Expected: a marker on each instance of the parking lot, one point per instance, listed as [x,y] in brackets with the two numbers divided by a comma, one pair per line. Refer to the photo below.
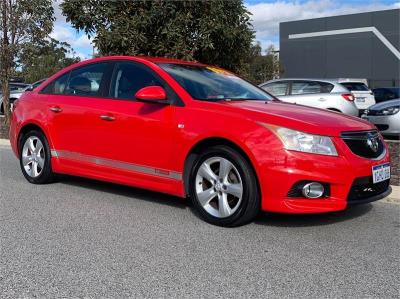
[81,238]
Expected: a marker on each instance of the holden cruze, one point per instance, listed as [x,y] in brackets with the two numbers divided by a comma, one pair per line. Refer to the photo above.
[197,131]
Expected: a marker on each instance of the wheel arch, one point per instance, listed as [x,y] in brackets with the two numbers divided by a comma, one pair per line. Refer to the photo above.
[206,143]
[28,127]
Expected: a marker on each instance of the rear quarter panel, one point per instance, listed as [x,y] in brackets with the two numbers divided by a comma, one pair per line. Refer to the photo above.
[31,109]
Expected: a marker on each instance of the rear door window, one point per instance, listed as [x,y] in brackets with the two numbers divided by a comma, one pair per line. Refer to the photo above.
[57,86]
[310,87]
[276,88]
[86,80]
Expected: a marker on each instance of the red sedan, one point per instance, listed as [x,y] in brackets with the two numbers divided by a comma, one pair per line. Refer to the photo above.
[197,131]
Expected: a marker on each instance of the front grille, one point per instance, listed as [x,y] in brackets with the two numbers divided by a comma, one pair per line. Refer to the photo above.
[364,188]
[382,127]
[372,112]
[366,144]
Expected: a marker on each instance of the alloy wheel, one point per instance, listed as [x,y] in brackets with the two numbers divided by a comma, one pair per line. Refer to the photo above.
[219,187]
[33,156]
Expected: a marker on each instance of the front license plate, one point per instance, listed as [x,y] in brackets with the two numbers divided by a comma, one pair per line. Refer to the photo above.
[380,173]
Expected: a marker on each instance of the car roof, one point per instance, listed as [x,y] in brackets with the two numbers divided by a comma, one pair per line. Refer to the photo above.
[140,58]
[17,84]
[168,60]
[333,81]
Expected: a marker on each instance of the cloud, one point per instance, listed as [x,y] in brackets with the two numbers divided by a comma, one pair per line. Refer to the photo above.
[267,16]
[64,32]
[67,34]
[60,19]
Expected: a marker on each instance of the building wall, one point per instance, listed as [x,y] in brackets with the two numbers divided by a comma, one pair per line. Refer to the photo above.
[348,55]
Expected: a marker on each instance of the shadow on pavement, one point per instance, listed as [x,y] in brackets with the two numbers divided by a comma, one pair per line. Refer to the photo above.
[132,192]
[269,219]
[293,220]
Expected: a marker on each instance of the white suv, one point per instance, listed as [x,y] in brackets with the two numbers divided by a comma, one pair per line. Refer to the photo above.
[319,93]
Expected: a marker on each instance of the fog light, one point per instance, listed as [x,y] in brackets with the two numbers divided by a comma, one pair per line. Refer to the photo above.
[313,190]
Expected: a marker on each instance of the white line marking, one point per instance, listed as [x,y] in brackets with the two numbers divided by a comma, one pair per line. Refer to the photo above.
[375,31]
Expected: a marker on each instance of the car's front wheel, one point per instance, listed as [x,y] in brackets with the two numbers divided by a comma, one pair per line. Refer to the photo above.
[35,159]
[223,187]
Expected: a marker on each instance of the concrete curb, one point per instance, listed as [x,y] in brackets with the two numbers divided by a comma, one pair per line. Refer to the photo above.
[5,142]
[395,196]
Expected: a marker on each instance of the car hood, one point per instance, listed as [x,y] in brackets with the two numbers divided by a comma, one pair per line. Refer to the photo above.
[302,118]
[386,104]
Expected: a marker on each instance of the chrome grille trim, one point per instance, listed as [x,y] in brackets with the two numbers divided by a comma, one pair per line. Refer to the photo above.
[356,141]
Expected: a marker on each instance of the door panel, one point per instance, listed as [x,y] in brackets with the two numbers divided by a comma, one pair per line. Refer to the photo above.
[133,133]
[71,99]
[134,136]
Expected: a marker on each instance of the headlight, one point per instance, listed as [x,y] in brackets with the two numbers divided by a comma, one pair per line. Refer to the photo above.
[389,111]
[303,142]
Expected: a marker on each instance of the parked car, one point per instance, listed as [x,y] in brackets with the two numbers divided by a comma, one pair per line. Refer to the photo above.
[363,96]
[385,116]
[189,129]
[14,87]
[386,93]
[319,93]
[16,92]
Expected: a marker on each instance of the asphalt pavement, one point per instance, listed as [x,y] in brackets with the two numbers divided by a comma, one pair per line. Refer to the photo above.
[79,238]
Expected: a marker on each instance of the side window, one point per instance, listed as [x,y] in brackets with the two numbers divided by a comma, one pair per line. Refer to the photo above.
[86,80]
[277,88]
[129,78]
[57,86]
[307,87]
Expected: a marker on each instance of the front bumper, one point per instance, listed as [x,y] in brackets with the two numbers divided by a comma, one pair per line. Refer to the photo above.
[341,173]
[387,125]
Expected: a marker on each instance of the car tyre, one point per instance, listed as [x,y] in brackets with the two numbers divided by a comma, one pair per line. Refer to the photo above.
[35,158]
[223,187]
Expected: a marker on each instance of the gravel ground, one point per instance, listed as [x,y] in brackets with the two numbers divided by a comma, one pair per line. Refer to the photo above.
[3,130]
[394,148]
[84,239]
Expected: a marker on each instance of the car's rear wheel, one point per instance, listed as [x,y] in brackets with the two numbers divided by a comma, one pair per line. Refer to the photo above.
[223,187]
[35,159]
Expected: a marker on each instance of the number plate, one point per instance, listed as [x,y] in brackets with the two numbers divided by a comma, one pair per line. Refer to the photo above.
[361,100]
[380,173]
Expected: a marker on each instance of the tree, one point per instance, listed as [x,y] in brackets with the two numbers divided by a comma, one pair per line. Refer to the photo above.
[21,22]
[43,59]
[215,32]
[264,67]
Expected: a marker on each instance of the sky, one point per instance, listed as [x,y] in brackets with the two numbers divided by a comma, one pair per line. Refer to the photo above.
[266,16]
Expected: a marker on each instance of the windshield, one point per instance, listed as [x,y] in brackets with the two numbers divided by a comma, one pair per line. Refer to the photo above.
[213,84]
[355,86]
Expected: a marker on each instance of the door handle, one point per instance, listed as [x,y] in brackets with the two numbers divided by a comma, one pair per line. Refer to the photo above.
[107,117]
[55,109]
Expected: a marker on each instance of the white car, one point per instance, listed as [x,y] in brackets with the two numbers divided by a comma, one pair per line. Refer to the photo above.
[319,93]
[363,96]
[16,93]
[385,116]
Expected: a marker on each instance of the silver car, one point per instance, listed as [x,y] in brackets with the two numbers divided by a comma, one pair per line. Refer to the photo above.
[15,93]
[319,93]
[385,116]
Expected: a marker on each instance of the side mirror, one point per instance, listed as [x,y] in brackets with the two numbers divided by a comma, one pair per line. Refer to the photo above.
[154,94]
[29,88]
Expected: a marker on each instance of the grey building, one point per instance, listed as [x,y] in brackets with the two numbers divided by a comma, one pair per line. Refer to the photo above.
[364,45]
